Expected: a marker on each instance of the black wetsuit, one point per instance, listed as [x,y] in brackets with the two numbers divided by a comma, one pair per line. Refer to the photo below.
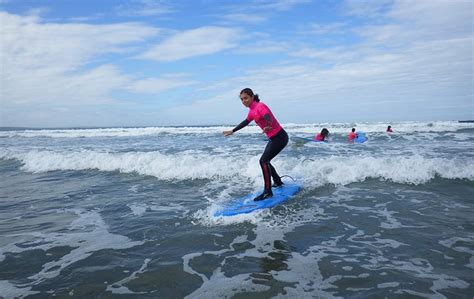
[274,146]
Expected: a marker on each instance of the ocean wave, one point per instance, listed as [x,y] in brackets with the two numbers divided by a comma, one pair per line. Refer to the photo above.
[380,127]
[111,132]
[334,128]
[191,165]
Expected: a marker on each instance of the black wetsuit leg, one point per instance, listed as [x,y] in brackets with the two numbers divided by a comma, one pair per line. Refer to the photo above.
[276,178]
[274,146]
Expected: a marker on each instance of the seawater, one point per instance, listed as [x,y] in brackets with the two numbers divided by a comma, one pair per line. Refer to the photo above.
[128,212]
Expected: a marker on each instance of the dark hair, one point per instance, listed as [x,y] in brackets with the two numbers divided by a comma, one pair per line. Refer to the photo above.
[250,93]
[324,133]
[389,127]
[353,129]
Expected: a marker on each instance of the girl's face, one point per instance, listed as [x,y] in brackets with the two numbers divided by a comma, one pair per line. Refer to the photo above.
[246,99]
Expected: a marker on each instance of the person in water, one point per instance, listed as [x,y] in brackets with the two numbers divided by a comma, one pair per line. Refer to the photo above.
[278,138]
[389,129]
[352,135]
[323,135]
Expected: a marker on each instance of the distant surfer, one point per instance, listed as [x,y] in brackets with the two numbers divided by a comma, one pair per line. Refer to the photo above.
[322,136]
[389,129]
[352,135]
[278,138]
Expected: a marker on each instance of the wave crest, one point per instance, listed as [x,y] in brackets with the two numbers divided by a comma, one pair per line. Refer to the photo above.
[192,165]
[338,128]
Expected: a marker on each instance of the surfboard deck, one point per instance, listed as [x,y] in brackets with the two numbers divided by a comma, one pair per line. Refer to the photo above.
[246,204]
[361,138]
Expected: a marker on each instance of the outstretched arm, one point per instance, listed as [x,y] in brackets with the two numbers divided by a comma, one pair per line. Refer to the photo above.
[238,127]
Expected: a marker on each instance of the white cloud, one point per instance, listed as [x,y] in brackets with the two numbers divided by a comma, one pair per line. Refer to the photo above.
[405,85]
[409,66]
[275,5]
[367,9]
[158,85]
[335,54]
[332,28]
[413,21]
[143,8]
[397,25]
[243,18]
[435,12]
[44,87]
[406,60]
[29,44]
[256,11]
[263,47]
[50,67]
[45,62]
[195,42]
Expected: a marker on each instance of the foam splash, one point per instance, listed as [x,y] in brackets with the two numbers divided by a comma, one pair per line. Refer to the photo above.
[340,128]
[304,273]
[119,288]
[227,286]
[306,280]
[138,208]
[414,169]
[165,167]
[405,170]
[112,132]
[9,290]
[205,217]
[88,234]
[451,243]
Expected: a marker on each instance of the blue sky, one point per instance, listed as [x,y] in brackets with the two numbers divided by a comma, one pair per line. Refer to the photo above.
[152,63]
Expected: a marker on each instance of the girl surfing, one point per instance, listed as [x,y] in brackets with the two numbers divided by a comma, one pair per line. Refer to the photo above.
[278,138]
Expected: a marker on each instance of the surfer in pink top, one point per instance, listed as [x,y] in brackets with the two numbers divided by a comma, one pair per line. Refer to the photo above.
[323,135]
[352,135]
[278,138]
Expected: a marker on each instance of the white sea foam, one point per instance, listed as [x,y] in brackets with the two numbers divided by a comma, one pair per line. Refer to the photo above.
[303,271]
[10,290]
[388,285]
[206,216]
[167,167]
[138,209]
[406,170]
[112,132]
[380,127]
[451,243]
[88,234]
[307,281]
[219,285]
[420,268]
[119,286]
[398,127]
[189,165]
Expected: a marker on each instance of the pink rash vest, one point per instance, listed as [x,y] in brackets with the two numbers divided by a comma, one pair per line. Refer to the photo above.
[257,112]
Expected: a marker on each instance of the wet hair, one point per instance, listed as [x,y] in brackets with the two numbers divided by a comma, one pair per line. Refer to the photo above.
[353,129]
[324,133]
[250,93]
[389,127]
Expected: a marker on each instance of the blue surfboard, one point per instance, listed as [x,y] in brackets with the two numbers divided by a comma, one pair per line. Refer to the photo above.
[361,138]
[246,204]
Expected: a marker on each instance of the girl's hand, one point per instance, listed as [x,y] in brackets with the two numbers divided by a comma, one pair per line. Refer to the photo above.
[227,133]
